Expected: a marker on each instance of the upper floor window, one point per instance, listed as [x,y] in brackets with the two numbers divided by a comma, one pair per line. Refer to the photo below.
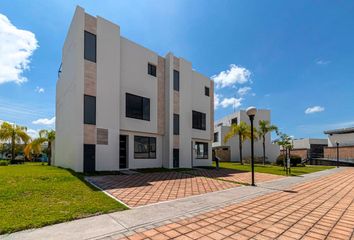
[144,147]
[206,91]
[175,80]
[90,46]
[202,150]
[151,69]
[234,121]
[137,107]
[199,120]
[89,109]
[216,136]
[175,124]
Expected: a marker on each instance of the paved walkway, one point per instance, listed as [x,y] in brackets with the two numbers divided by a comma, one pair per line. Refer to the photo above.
[320,201]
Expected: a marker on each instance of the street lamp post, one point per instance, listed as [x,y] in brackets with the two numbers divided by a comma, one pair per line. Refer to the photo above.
[251,112]
[337,143]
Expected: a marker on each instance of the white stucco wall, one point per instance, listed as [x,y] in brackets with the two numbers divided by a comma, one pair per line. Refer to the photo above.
[69,98]
[346,139]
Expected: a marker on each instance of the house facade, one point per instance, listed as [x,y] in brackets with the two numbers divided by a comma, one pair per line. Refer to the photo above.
[309,148]
[229,151]
[122,106]
[345,139]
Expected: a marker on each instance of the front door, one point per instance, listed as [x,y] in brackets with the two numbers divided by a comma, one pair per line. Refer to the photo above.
[123,151]
[89,158]
[176,158]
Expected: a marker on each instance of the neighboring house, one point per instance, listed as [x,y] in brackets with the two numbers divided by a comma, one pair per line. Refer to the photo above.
[345,139]
[309,148]
[229,151]
[122,106]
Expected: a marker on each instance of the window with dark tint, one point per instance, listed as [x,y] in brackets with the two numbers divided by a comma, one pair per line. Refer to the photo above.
[216,136]
[151,70]
[199,120]
[175,80]
[202,150]
[137,107]
[234,120]
[206,91]
[90,47]
[89,109]
[144,147]
[175,124]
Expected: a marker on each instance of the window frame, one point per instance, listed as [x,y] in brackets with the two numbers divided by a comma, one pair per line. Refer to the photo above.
[86,43]
[216,139]
[176,80]
[234,120]
[205,150]
[200,121]
[150,149]
[144,112]
[176,126]
[152,69]
[207,91]
[87,114]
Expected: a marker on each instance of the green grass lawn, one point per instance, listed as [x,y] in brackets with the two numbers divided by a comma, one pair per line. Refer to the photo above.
[278,170]
[35,195]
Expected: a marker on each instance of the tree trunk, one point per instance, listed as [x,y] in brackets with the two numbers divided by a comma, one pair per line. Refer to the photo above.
[285,158]
[264,155]
[13,146]
[49,153]
[240,146]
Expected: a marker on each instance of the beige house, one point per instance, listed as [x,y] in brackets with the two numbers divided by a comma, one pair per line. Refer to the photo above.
[122,106]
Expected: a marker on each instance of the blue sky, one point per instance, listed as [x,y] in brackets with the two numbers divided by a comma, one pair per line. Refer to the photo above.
[287,56]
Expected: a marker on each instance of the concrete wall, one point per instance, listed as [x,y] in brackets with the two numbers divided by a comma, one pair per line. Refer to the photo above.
[69,98]
[306,142]
[346,139]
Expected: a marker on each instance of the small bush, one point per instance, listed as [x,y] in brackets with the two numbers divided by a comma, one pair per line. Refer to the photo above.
[294,160]
[4,162]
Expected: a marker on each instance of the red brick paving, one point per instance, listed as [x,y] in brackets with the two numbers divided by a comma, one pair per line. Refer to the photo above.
[235,175]
[321,209]
[142,189]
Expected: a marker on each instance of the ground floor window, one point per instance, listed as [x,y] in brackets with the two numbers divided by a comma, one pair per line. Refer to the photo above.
[202,150]
[144,147]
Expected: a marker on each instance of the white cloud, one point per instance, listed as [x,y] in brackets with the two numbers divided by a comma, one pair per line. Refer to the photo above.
[314,109]
[234,75]
[16,48]
[244,90]
[322,62]
[39,90]
[217,100]
[235,102]
[44,121]
[32,133]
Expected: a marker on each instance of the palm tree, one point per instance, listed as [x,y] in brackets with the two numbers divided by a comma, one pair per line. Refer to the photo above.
[263,129]
[45,136]
[284,142]
[15,134]
[243,131]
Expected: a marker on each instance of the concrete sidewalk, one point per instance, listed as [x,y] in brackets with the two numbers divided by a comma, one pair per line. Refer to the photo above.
[113,225]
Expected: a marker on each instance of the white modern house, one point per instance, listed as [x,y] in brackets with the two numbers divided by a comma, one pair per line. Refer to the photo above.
[344,137]
[309,148]
[122,106]
[229,151]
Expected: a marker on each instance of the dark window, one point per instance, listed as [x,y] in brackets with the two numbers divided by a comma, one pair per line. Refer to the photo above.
[89,158]
[144,147]
[199,120]
[89,109]
[176,158]
[175,80]
[216,136]
[137,107]
[202,150]
[151,70]
[175,124]
[206,91]
[90,47]
[234,120]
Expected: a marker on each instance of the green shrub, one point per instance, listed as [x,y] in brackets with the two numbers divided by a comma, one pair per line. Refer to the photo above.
[4,162]
[294,160]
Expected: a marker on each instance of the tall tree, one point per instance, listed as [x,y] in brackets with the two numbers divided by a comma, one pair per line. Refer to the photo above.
[265,127]
[45,136]
[15,134]
[285,142]
[243,131]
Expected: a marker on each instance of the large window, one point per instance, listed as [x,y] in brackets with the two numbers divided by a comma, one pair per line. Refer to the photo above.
[175,124]
[206,91]
[89,110]
[199,120]
[202,150]
[175,80]
[151,70]
[234,120]
[90,47]
[144,147]
[137,107]
[216,136]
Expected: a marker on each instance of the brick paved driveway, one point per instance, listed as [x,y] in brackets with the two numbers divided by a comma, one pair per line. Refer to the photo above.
[235,175]
[142,189]
[321,209]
